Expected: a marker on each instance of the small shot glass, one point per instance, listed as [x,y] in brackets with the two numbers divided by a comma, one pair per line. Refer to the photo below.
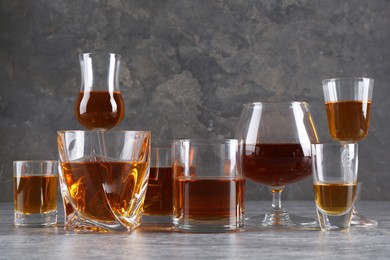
[35,193]
[208,190]
[335,168]
[158,205]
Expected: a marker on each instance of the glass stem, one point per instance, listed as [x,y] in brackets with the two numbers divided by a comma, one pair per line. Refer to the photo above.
[277,198]
[347,163]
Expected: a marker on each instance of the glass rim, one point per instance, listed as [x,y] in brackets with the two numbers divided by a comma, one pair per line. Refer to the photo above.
[101,131]
[88,54]
[213,177]
[346,79]
[206,141]
[335,144]
[35,164]
[35,161]
[254,104]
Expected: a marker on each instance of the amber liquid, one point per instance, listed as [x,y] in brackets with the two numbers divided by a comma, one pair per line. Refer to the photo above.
[348,121]
[275,164]
[158,200]
[208,199]
[99,109]
[99,189]
[35,194]
[334,198]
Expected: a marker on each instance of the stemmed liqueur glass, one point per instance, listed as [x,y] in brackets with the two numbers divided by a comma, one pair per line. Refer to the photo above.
[99,105]
[275,150]
[348,107]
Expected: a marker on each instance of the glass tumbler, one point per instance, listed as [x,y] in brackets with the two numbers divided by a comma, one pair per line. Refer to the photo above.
[35,193]
[158,205]
[208,186]
[103,179]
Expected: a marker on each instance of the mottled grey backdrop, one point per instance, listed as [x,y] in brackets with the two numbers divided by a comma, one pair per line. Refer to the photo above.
[187,68]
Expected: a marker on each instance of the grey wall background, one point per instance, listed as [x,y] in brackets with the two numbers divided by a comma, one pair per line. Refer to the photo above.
[187,68]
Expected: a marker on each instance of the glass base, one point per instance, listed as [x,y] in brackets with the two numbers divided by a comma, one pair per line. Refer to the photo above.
[46,219]
[77,222]
[207,228]
[362,221]
[340,222]
[281,218]
[208,225]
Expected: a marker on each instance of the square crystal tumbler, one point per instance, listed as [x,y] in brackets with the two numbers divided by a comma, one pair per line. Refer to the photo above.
[103,176]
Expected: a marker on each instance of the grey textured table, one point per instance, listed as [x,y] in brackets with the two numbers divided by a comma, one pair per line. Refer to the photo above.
[252,243]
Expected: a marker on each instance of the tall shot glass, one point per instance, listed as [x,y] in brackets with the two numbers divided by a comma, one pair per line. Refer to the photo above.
[334,182]
[103,179]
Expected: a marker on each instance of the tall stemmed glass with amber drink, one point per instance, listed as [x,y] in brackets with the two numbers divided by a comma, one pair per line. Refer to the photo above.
[348,107]
[275,150]
[99,105]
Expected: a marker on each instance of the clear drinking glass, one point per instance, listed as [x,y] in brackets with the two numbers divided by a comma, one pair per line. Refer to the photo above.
[348,107]
[103,184]
[276,142]
[158,206]
[334,182]
[99,104]
[208,186]
[35,193]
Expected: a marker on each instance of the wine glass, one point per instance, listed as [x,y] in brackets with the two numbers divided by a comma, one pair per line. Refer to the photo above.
[99,105]
[348,107]
[275,150]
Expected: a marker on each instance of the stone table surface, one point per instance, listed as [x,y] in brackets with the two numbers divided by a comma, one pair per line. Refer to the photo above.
[156,243]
